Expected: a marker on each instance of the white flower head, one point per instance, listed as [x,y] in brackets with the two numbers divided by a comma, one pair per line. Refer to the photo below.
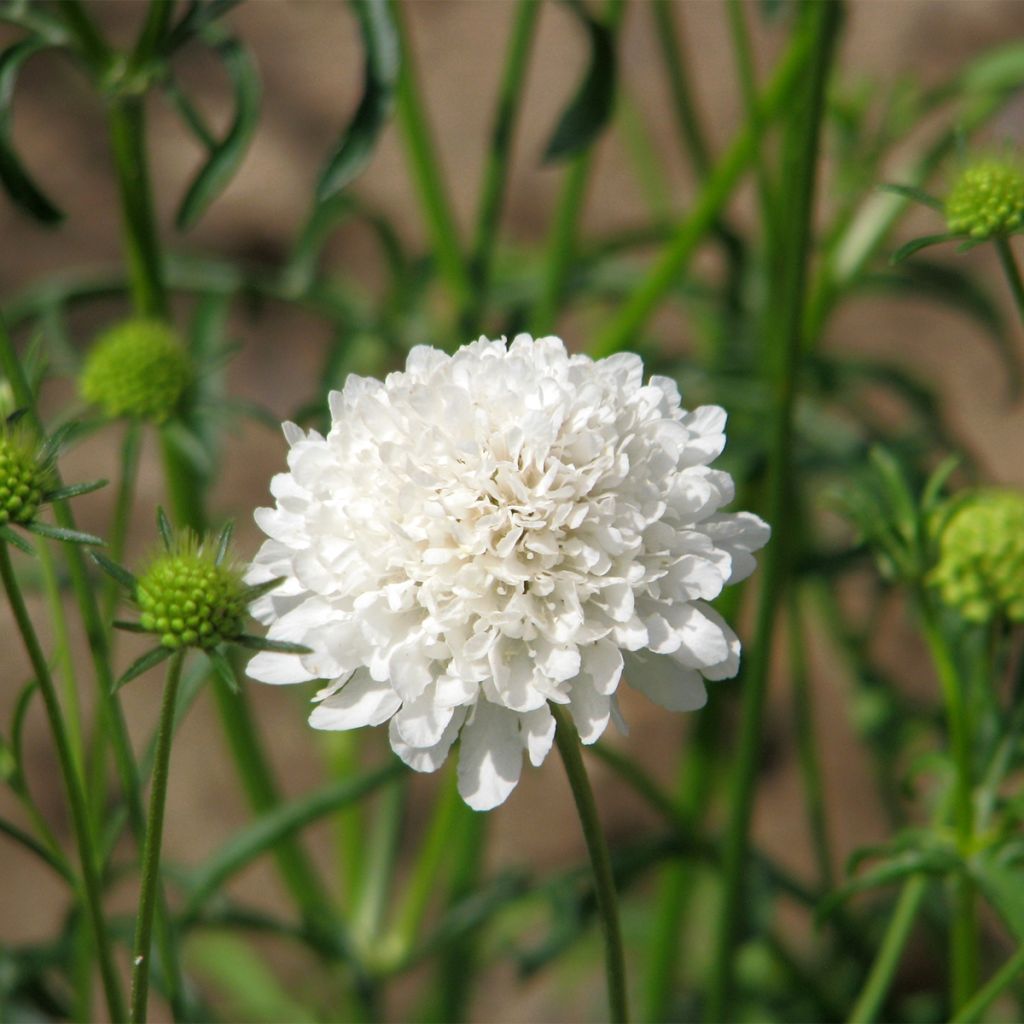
[488,532]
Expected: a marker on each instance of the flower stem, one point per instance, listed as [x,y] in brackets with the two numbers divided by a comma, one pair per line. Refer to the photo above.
[985,996]
[964,930]
[604,884]
[151,849]
[84,838]
[783,325]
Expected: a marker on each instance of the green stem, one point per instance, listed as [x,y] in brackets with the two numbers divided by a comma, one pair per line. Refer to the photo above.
[426,173]
[153,842]
[561,246]
[91,44]
[381,855]
[1009,264]
[84,838]
[876,987]
[783,328]
[131,447]
[984,998]
[719,186]
[126,119]
[964,931]
[499,161]
[604,883]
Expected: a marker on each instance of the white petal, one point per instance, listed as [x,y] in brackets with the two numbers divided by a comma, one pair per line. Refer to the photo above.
[490,757]
[427,759]
[590,710]
[661,678]
[538,730]
[730,664]
[272,667]
[702,640]
[422,722]
[602,662]
[361,701]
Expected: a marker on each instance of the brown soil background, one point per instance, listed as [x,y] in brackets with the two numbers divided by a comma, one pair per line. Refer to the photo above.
[310,63]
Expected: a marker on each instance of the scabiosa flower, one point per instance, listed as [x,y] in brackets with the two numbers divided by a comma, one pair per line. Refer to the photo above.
[488,532]
[980,567]
[138,369]
[987,199]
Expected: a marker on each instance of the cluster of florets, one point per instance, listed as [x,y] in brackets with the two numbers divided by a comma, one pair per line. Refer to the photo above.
[138,369]
[191,601]
[980,569]
[987,199]
[24,478]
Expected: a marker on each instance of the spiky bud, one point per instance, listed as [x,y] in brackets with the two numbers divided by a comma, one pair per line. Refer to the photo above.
[189,600]
[24,477]
[987,199]
[137,369]
[980,568]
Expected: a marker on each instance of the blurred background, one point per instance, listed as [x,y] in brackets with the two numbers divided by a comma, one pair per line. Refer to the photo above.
[310,62]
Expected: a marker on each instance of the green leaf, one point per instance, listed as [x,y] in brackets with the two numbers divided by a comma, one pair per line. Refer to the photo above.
[285,820]
[163,524]
[64,534]
[115,571]
[226,156]
[189,446]
[223,668]
[224,541]
[148,660]
[75,490]
[130,627]
[917,244]
[1001,884]
[261,643]
[46,856]
[9,536]
[15,178]
[51,447]
[913,192]
[18,720]
[199,15]
[591,107]
[259,589]
[932,493]
[380,79]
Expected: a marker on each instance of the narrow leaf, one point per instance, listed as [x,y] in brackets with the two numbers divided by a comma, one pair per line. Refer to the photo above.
[33,846]
[189,446]
[130,627]
[1001,885]
[75,490]
[163,524]
[21,707]
[380,78]
[15,178]
[12,538]
[115,571]
[223,668]
[52,445]
[143,664]
[261,643]
[64,534]
[224,541]
[226,156]
[259,589]
[917,244]
[285,820]
[913,192]
[591,107]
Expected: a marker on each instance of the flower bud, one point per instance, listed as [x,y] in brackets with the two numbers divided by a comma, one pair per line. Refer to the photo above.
[987,199]
[980,569]
[24,478]
[137,369]
[190,600]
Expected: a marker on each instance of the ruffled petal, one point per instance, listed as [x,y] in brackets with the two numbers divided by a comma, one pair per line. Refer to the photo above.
[361,701]
[490,756]
[662,679]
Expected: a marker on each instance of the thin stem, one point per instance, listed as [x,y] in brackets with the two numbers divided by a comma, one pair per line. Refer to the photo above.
[84,839]
[382,853]
[719,186]
[561,246]
[91,44]
[154,840]
[604,883]
[1012,271]
[876,987]
[426,172]
[964,931]
[783,328]
[131,448]
[991,991]
[126,119]
[498,164]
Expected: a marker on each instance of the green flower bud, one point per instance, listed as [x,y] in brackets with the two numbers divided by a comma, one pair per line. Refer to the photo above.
[980,569]
[138,369]
[189,600]
[987,199]
[24,477]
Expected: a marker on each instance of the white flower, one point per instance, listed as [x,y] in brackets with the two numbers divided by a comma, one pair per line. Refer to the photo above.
[490,531]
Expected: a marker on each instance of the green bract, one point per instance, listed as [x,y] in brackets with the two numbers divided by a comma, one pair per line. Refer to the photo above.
[980,569]
[137,369]
[987,199]
[190,600]
[24,477]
